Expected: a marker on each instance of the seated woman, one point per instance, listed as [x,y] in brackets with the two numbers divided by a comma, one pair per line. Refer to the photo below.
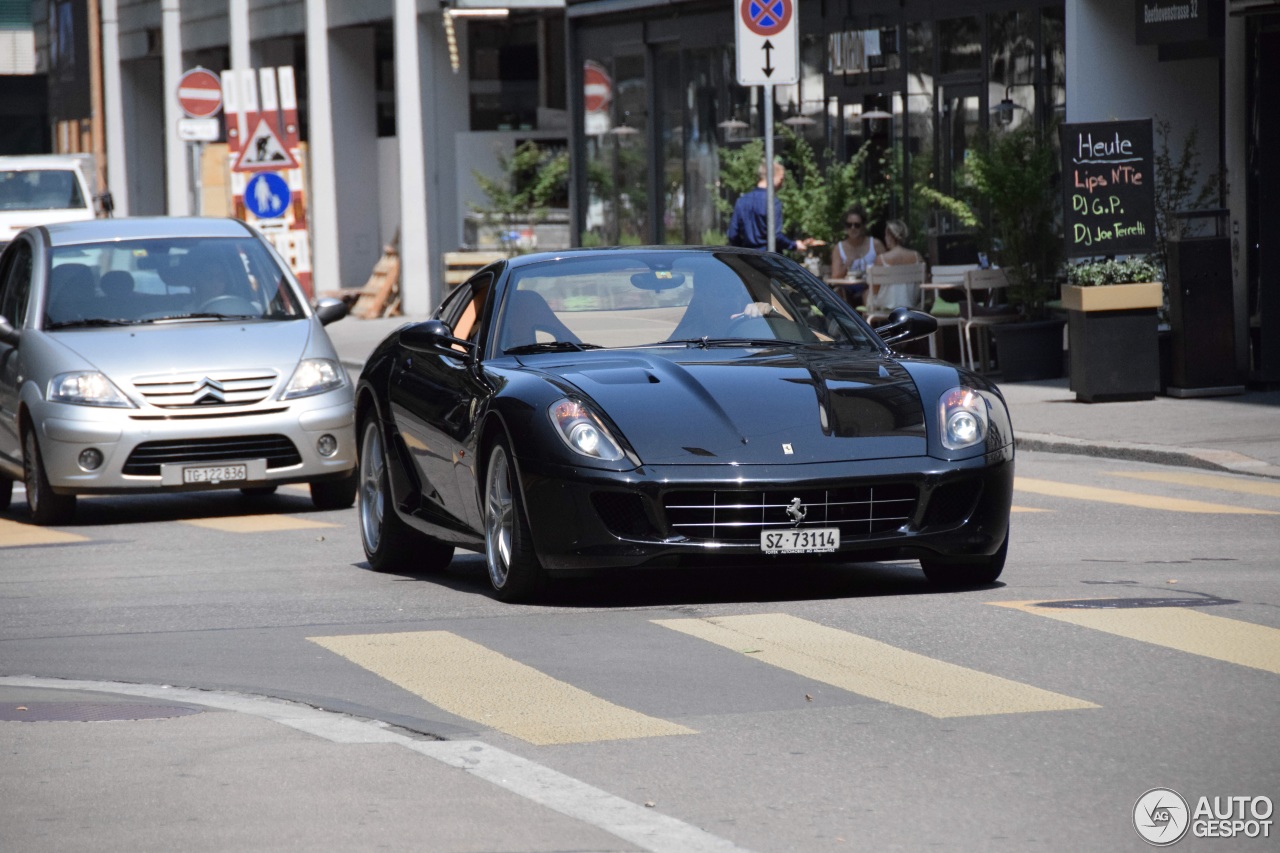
[896,251]
[853,254]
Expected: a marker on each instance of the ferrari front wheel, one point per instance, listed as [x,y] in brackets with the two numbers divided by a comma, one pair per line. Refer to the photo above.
[388,542]
[514,570]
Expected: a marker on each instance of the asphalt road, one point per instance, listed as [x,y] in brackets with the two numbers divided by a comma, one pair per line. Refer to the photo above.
[846,707]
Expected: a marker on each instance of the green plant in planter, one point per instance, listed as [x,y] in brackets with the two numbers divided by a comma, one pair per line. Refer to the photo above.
[1013,174]
[1178,186]
[532,179]
[1132,269]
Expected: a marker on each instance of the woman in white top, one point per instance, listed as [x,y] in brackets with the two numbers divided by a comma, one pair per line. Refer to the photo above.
[856,252]
[896,236]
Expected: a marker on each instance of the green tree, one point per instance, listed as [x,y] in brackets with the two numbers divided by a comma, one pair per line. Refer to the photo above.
[1013,175]
[814,196]
[528,183]
[1178,187]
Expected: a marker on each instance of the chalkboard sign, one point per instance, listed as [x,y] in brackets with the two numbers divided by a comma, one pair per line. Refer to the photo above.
[1108,188]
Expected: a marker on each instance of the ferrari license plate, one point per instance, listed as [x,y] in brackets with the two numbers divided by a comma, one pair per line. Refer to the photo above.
[215,474]
[810,540]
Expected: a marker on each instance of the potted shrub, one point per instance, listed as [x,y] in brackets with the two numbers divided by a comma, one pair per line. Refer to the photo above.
[1113,316]
[1014,176]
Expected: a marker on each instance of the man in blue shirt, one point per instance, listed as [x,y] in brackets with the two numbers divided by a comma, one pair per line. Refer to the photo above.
[749,226]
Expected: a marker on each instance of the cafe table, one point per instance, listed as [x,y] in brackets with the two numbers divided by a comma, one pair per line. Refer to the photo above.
[850,288]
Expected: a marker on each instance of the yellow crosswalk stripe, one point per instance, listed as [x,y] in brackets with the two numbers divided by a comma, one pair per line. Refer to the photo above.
[14,534]
[1243,485]
[871,668]
[258,523]
[1115,496]
[476,683]
[1181,628]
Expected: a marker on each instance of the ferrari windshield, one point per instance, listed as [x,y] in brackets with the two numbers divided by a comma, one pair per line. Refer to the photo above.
[669,298]
[126,282]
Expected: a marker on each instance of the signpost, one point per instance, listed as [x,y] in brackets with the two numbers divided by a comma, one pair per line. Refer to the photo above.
[200,96]
[200,93]
[768,43]
[265,156]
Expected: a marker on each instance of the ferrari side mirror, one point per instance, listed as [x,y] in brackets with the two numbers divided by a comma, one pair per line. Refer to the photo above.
[905,324]
[435,336]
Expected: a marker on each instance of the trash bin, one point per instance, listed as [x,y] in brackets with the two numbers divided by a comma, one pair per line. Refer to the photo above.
[1201,308]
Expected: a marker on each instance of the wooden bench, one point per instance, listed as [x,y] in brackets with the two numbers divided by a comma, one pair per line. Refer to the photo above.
[460,266]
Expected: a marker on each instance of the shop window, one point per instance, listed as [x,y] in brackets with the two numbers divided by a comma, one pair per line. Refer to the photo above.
[503,71]
[384,74]
[1012,67]
[960,45]
[1053,29]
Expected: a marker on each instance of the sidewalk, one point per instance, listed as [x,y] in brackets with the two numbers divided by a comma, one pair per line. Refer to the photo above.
[1240,434]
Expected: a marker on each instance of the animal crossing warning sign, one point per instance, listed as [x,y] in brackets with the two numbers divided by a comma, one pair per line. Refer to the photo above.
[264,150]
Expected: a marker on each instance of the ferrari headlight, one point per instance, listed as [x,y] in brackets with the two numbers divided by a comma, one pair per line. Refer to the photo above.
[87,388]
[583,431]
[965,417]
[314,376]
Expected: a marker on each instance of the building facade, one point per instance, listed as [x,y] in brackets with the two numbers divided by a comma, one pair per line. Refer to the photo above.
[401,100]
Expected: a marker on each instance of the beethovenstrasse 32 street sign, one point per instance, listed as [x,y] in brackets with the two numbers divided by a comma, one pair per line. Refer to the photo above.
[768,42]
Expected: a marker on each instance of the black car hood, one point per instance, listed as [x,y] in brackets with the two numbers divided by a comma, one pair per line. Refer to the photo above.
[760,406]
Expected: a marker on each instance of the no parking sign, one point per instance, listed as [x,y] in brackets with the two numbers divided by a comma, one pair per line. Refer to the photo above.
[768,42]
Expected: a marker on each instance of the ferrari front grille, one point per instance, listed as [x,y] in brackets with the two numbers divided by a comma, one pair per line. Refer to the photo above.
[739,516]
[201,390]
[146,458]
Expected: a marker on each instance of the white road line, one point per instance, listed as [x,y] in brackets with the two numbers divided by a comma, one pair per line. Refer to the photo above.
[643,827]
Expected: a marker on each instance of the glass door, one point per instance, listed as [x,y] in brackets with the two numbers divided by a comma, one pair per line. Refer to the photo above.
[960,121]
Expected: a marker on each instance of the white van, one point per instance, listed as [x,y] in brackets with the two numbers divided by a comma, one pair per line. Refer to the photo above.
[41,189]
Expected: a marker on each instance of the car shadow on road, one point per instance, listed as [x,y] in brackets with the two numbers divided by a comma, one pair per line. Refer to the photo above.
[702,585]
[111,510]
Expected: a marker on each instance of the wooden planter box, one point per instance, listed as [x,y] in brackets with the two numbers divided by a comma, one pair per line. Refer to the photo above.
[1114,341]
[1113,297]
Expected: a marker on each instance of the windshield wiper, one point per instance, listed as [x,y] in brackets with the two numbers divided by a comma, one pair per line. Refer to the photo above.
[550,346]
[707,342]
[205,315]
[96,321]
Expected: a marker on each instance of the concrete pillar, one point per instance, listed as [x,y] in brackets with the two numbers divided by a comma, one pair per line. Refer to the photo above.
[113,101]
[238,37]
[416,277]
[352,78]
[176,166]
[322,212]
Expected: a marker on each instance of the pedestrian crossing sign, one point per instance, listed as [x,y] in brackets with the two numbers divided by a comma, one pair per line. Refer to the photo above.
[264,150]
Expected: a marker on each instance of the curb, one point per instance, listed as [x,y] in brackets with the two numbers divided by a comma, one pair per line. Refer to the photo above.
[1189,457]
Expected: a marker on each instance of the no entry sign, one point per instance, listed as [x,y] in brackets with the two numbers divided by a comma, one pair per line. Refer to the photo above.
[597,87]
[200,93]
